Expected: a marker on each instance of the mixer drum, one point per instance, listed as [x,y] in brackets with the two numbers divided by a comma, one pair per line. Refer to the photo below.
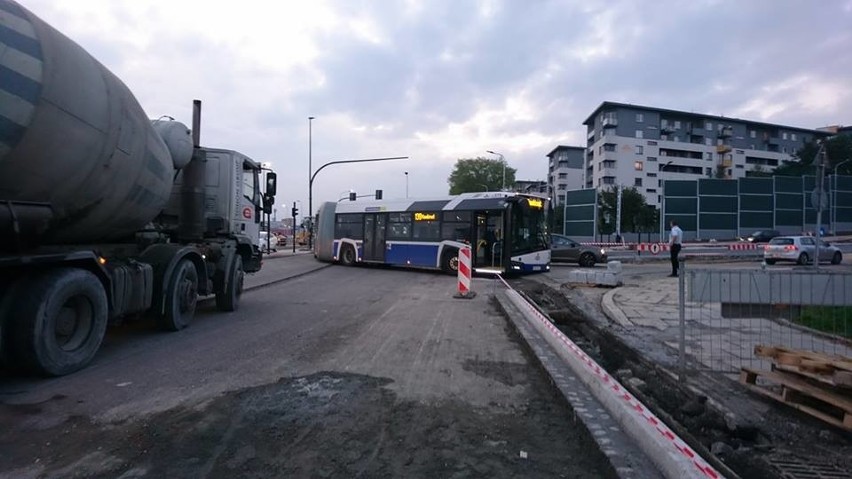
[78,155]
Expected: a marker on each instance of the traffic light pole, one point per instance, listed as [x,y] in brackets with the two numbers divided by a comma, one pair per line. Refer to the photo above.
[294,211]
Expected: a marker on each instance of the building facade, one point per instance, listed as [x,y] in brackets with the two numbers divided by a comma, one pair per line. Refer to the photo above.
[638,146]
[565,171]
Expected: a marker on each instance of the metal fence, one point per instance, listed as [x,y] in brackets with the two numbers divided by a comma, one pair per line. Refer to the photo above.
[724,314]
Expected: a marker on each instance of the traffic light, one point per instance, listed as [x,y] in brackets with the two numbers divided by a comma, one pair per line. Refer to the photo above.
[378,194]
[295,211]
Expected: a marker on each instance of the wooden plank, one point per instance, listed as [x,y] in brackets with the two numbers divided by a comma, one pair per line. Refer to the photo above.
[811,358]
[788,396]
[837,379]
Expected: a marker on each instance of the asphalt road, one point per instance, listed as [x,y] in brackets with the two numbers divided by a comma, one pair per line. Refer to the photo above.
[334,372]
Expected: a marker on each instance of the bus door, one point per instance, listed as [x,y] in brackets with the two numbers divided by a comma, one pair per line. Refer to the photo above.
[374,236]
[488,244]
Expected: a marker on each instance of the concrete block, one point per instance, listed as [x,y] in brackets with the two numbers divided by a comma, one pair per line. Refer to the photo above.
[614,267]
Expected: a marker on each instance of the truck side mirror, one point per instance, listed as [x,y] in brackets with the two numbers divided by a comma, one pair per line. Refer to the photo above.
[271,184]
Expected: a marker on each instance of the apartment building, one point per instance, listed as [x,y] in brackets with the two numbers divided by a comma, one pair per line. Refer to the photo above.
[565,171]
[639,146]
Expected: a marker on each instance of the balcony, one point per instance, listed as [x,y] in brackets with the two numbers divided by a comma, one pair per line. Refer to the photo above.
[668,128]
[609,122]
[727,163]
[725,132]
[723,148]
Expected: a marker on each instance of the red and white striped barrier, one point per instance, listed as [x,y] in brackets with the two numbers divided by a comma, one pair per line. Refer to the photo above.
[743,246]
[668,451]
[464,274]
[654,248]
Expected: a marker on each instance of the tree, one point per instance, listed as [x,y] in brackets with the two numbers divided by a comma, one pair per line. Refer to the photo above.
[479,174]
[636,215]
[558,220]
[838,148]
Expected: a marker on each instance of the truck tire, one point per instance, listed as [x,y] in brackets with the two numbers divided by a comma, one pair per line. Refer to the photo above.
[60,321]
[229,299]
[181,297]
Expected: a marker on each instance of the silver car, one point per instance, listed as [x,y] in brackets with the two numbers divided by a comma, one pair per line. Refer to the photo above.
[800,250]
[563,248]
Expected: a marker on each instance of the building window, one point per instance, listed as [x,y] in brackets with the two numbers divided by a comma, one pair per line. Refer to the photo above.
[793,136]
[608,180]
[609,147]
[664,137]
[563,176]
[637,182]
[677,124]
[660,183]
[708,126]
[740,152]
[708,141]
[638,133]
[640,118]
[652,158]
[752,133]
[561,187]
[651,190]
[561,199]
[708,171]
[652,143]
[784,135]
[640,150]
[708,156]
[638,165]
[651,175]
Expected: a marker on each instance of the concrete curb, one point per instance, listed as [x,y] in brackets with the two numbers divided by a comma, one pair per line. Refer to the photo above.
[612,311]
[673,457]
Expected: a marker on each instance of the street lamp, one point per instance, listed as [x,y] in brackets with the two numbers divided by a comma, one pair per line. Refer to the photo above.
[503,161]
[406,184]
[310,180]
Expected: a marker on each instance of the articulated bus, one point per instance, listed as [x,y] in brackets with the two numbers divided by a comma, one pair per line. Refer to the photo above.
[507,232]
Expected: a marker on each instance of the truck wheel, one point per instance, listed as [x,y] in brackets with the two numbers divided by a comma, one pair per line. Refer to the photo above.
[229,299]
[450,261]
[181,296]
[61,319]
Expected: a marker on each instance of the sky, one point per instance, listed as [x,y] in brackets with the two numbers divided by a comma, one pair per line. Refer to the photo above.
[440,80]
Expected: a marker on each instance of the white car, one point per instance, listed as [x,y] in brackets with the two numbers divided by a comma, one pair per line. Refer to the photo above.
[273,242]
[800,250]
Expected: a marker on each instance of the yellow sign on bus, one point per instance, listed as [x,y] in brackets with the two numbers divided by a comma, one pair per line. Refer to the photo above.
[425,216]
[535,203]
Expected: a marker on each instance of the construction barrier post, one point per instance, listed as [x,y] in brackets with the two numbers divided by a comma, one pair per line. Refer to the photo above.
[464,291]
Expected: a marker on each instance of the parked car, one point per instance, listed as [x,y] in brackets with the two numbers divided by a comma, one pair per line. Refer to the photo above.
[761,236]
[563,248]
[800,249]
[262,243]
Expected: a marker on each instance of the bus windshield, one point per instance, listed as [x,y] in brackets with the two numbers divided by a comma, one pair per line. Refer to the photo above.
[528,227]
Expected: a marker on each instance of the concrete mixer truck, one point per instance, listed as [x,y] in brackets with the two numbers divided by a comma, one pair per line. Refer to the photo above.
[105,214]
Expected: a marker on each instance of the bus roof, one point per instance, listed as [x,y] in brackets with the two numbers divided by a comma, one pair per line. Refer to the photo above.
[489,200]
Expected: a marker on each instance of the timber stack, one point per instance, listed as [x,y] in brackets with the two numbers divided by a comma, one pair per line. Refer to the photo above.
[814,383]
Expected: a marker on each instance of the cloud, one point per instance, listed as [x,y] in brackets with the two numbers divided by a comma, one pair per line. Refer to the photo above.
[439,80]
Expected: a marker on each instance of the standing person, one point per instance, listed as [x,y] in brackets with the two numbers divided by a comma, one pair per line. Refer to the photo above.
[675,239]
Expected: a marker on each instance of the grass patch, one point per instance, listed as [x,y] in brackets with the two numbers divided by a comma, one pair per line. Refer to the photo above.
[835,320]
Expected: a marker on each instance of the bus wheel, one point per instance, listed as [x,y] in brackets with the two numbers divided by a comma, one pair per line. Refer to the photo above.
[229,299]
[181,297]
[347,255]
[61,321]
[450,262]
